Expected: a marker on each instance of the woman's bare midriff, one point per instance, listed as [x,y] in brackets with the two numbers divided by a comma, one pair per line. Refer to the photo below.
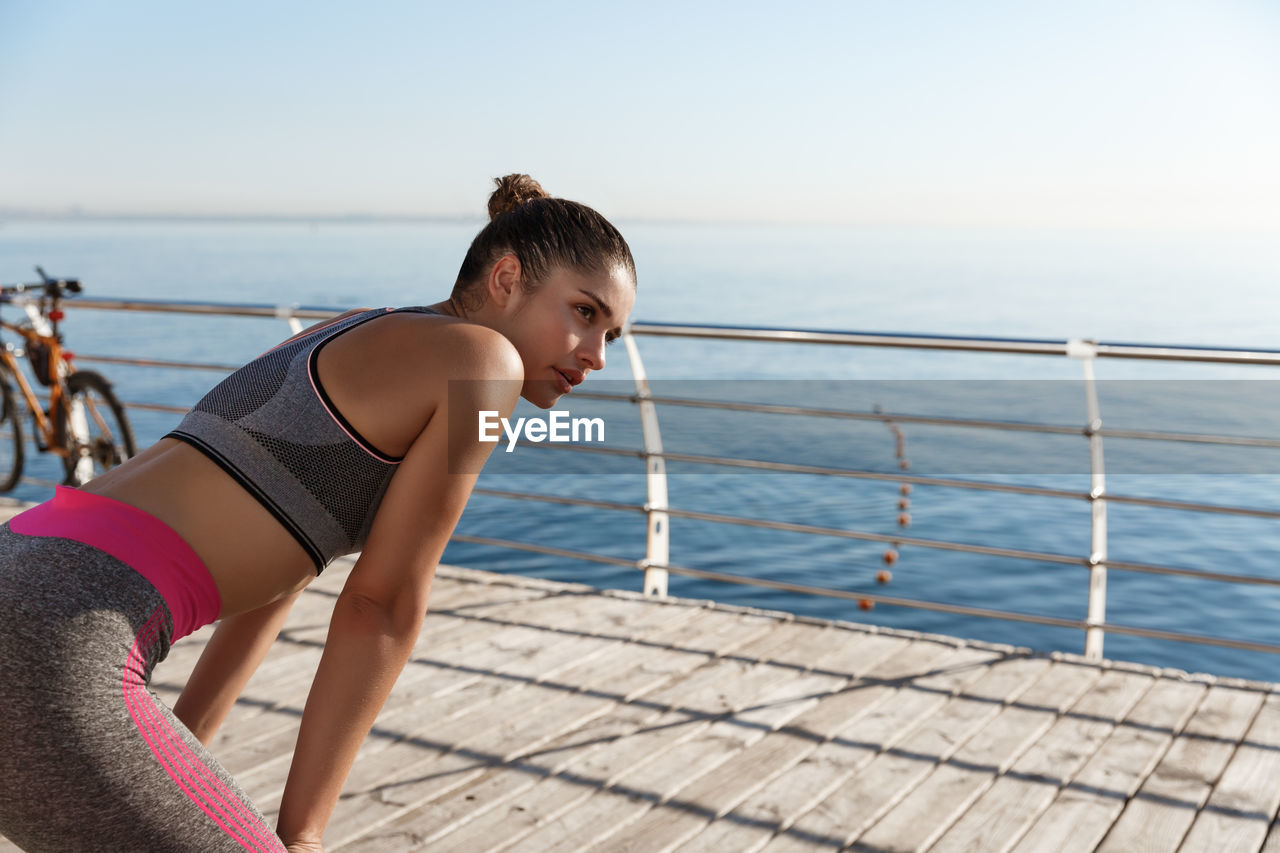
[252,558]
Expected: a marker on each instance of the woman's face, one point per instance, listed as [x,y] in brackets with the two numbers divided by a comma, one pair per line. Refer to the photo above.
[562,328]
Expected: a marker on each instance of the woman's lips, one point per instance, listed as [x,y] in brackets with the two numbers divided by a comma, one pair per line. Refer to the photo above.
[563,383]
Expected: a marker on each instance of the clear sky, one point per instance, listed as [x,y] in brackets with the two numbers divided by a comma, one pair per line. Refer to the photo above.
[1146,113]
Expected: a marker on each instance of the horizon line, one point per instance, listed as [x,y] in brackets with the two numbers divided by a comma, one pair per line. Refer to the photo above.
[77,214]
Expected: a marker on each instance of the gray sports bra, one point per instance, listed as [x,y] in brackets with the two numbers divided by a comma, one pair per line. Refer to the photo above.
[272,427]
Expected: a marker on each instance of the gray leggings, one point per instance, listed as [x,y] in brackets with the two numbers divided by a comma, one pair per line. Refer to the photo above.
[90,760]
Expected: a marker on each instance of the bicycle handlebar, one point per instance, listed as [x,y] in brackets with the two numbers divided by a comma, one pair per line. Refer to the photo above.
[54,287]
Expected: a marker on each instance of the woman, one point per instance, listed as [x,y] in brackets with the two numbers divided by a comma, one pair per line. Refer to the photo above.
[335,441]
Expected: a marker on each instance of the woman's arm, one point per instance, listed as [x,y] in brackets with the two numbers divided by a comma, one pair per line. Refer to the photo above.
[377,617]
[233,654]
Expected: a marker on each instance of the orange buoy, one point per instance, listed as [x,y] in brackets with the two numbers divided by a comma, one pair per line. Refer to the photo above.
[890,557]
[903,503]
[904,519]
[884,576]
[865,604]
[904,489]
[904,464]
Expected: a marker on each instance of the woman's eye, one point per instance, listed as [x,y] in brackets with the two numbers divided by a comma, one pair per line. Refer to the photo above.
[586,311]
[611,339]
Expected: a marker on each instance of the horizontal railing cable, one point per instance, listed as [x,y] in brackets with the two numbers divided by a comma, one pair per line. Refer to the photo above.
[157,362]
[894,539]
[545,549]
[841,414]
[156,407]
[912,479]
[982,612]
[934,420]
[1192,506]
[1021,346]
[314,312]
[556,499]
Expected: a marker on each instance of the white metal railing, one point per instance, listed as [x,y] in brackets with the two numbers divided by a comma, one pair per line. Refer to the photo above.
[658,511]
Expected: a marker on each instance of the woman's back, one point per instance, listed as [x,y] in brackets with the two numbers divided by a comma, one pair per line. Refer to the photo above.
[248,513]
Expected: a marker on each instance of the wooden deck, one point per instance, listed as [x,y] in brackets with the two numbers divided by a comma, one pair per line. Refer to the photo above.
[538,716]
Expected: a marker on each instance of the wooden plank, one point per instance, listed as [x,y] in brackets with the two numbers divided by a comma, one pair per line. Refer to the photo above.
[280,686]
[549,705]
[1244,801]
[462,675]
[1005,811]
[1159,815]
[472,719]
[862,800]
[716,794]
[876,708]
[426,792]
[260,763]
[723,632]
[551,721]
[457,749]
[629,789]
[525,809]
[723,760]
[1272,844]
[944,795]
[516,817]
[579,777]
[728,734]
[1084,811]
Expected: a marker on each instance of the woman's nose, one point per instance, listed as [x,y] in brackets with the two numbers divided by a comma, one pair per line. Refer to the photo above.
[592,352]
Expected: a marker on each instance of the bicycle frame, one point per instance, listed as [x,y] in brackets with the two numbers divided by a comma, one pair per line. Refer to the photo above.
[40,333]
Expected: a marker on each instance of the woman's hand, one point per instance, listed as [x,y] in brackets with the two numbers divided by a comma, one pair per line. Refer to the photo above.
[305,847]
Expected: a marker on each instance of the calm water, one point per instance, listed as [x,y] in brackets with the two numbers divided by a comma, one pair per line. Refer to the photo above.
[1167,288]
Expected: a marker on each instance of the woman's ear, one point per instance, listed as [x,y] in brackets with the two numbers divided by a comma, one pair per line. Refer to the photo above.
[504,280]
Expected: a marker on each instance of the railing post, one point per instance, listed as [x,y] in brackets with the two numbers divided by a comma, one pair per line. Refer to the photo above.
[286,312]
[1097,615]
[657,550]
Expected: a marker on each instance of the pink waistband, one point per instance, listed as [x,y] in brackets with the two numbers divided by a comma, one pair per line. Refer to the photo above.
[145,543]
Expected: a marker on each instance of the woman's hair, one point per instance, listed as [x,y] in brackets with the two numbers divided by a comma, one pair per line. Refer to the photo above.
[543,233]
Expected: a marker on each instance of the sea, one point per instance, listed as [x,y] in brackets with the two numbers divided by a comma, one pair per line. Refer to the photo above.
[1139,286]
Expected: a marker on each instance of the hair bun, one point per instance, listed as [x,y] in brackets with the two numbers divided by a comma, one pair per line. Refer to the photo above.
[513,191]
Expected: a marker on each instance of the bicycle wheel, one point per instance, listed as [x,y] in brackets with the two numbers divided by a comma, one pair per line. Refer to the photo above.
[11,457]
[94,428]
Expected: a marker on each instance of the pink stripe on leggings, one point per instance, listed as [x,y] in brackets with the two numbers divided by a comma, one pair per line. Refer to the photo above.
[165,746]
[140,709]
[180,759]
[201,785]
[187,771]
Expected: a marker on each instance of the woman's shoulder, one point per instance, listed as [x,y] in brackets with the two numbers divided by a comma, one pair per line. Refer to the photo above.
[450,347]
[472,351]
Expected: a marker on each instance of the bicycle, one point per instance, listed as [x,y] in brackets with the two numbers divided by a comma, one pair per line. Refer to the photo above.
[84,423]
